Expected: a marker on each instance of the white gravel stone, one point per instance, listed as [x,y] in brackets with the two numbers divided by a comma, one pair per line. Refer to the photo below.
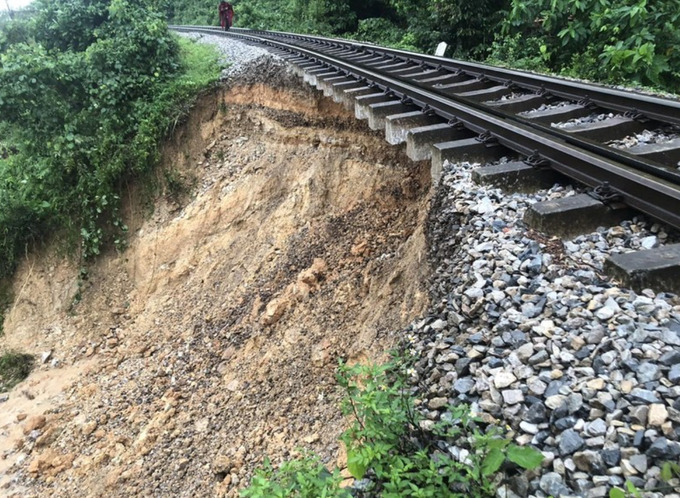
[236,54]
[570,361]
[503,379]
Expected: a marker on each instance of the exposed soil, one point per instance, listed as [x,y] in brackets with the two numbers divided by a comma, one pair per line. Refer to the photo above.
[213,340]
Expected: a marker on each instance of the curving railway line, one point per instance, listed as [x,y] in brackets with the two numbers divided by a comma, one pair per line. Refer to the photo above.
[623,146]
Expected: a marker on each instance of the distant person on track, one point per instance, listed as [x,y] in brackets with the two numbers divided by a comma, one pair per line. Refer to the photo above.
[226,15]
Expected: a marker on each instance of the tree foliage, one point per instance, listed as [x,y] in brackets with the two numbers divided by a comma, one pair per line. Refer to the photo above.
[608,40]
[420,24]
[86,88]
[464,25]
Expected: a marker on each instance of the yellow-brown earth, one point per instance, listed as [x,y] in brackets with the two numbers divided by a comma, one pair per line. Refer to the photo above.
[213,340]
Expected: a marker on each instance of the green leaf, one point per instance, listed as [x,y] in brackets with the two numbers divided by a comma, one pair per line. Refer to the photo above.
[666,472]
[492,462]
[498,443]
[355,465]
[632,489]
[616,493]
[525,456]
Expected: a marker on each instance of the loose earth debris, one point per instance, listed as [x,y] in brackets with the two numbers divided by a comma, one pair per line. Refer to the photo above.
[213,340]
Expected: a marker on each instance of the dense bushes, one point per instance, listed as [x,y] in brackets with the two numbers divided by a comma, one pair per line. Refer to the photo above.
[464,25]
[608,40]
[420,24]
[87,89]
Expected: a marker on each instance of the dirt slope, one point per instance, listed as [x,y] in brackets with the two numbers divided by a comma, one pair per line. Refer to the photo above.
[212,340]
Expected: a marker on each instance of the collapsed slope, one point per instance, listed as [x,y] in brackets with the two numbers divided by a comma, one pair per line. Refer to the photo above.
[212,341]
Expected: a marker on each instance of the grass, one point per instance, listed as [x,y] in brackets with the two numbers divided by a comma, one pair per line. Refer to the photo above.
[14,367]
[201,63]
[200,69]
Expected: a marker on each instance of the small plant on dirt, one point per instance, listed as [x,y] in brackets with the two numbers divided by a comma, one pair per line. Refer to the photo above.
[14,367]
[386,442]
[306,477]
[83,275]
[177,186]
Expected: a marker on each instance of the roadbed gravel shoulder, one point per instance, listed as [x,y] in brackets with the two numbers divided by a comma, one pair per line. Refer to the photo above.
[529,333]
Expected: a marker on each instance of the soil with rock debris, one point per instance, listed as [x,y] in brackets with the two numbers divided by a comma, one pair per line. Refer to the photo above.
[212,342]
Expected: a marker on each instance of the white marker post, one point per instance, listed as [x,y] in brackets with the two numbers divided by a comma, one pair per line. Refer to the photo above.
[441,48]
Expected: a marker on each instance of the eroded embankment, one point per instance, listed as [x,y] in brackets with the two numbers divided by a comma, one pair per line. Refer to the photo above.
[213,340]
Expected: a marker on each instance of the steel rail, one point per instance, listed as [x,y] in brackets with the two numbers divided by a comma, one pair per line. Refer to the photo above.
[653,107]
[641,190]
[618,155]
[656,108]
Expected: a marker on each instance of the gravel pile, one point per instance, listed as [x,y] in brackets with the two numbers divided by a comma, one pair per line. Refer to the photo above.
[532,335]
[590,119]
[240,56]
[547,107]
[647,137]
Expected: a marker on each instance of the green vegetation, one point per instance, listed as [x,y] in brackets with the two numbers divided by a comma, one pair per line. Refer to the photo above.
[669,476]
[607,40]
[87,90]
[14,367]
[415,24]
[634,41]
[305,477]
[5,301]
[387,442]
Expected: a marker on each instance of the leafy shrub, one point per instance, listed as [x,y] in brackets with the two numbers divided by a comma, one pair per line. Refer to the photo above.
[413,24]
[610,40]
[520,52]
[384,32]
[387,442]
[306,477]
[387,437]
[12,32]
[467,27]
[86,92]
[14,367]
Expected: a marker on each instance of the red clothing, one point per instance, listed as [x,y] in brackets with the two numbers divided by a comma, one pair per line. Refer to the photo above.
[226,15]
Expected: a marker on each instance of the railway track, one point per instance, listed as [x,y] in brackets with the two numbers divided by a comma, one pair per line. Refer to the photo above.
[623,146]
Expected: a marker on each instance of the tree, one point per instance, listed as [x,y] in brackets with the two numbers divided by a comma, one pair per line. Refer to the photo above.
[610,40]
[78,83]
